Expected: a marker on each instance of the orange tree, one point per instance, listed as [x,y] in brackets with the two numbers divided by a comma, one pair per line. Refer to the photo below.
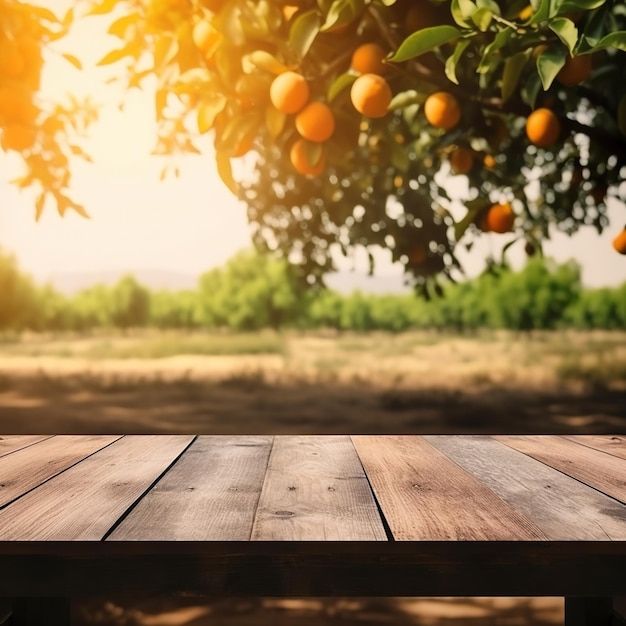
[355,114]
[45,135]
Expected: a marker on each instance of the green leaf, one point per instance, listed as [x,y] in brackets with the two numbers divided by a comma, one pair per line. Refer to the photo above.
[165,49]
[262,60]
[73,60]
[482,19]
[68,18]
[340,83]
[237,130]
[453,59]
[492,5]
[39,205]
[530,90]
[474,207]
[42,13]
[120,26]
[425,40]
[195,76]
[208,109]
[615,40]
[549,64]
[541,11]
[341,13]
[499,41]
[303,32]
[462,11]
[80,209]
[313,151]
[513,68]
[225,171]
[566,31]
[566,6]
[115,55]
[274,121]
[399,157]
[102,7]
[404,99]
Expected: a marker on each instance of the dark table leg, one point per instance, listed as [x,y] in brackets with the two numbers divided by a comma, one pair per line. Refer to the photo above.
[593,612]
[40,612]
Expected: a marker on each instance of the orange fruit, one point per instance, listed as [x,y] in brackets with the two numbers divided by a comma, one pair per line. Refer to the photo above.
[461,160]
[489,161]
[543,127]
[316,122]
[619,243]
[371,95]
[289,92]
[442,110]
[575,71]
[18,137]
[500,218]
[299,157]
[368,59]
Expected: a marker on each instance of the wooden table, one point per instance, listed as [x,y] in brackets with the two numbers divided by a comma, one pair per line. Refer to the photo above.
[312,516]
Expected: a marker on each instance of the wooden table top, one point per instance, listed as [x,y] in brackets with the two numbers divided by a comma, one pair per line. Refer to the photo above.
[390,501]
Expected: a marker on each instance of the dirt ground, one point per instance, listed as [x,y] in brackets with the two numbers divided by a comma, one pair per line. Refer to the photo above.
[317,387]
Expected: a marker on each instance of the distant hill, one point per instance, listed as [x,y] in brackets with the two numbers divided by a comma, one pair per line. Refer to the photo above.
[70,283]
[347,282]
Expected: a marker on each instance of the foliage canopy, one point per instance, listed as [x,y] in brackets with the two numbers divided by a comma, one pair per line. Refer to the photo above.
[523,103]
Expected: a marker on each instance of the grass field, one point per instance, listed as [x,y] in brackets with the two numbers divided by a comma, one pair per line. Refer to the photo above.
[323,382]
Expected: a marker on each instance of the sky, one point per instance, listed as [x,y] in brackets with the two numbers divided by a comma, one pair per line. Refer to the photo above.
[185,225]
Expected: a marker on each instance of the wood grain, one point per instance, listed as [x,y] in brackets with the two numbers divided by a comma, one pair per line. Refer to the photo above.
[599,470]
[611,444]
[85,501]
[29,467]
[563,508]
[210,494]
[315,490]
[11,443]
[426,496]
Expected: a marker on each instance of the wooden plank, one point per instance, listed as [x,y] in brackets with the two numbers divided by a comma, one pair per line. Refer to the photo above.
[84,502]
[563,508]
[314,568]
[604,472]
[210,494]
[315,489]
[29,467]
[11,443]
[425,496]
[611,444]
